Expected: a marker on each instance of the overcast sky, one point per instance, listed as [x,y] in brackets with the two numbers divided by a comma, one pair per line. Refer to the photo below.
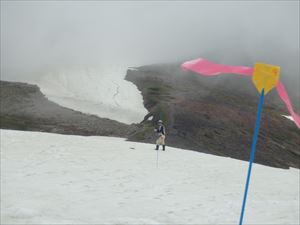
[40,36]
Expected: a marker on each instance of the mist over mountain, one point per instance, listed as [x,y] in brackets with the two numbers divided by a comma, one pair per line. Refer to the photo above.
[78,52]
[41,37]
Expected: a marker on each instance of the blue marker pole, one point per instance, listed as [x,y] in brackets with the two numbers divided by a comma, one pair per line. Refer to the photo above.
[253,148]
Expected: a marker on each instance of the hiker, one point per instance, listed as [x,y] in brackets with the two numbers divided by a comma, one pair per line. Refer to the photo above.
[161,131]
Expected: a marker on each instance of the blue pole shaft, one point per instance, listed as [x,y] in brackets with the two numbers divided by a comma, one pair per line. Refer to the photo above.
[253,148]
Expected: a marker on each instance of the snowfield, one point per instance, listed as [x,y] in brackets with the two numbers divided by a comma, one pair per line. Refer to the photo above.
[94,91]
[60,179]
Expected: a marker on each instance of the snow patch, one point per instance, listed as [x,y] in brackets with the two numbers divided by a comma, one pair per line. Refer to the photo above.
[288,117]
[88,90]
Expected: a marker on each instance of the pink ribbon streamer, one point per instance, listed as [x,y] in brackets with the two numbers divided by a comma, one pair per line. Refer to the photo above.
[207,68]
[285,98]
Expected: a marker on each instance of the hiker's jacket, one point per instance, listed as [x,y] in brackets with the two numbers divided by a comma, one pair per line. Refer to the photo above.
[161,130]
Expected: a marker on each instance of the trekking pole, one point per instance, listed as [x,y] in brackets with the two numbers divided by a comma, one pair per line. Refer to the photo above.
[157,158]
[160,116]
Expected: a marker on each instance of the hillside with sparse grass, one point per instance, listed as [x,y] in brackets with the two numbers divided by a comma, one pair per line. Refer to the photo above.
[214,115]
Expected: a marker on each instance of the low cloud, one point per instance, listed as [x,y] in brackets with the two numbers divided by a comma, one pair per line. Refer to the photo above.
[38,37]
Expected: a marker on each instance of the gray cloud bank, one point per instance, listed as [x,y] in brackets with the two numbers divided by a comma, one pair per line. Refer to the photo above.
[38,36]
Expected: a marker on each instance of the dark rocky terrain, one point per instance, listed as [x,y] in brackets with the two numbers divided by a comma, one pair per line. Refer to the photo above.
[24,107]
[212,115]
[215,115]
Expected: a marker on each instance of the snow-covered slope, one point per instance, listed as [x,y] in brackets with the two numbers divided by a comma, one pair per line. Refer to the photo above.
[94,91]
[57,179]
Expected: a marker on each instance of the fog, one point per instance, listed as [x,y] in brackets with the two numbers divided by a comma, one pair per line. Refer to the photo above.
[38,37]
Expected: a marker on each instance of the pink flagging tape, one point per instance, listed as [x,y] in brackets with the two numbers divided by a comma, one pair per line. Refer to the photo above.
[206,68]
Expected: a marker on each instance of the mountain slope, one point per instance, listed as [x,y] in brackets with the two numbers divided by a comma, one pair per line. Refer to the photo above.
[62,179]
[215,115]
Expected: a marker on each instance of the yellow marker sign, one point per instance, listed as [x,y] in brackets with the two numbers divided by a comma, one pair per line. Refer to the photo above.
[265,76]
